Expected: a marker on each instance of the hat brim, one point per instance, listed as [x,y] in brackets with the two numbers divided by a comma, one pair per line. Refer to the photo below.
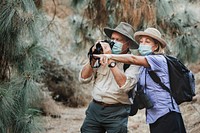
[142,33]
[108,31]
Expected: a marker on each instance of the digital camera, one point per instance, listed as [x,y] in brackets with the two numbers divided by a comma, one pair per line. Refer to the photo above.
[99,49]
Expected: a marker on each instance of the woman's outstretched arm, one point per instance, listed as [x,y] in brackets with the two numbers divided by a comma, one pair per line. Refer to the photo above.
[124,58]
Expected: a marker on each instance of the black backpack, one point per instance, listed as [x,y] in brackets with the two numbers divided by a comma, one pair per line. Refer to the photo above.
[182,82]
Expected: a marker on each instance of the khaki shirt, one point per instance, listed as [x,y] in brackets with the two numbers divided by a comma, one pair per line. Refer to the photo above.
[106,89]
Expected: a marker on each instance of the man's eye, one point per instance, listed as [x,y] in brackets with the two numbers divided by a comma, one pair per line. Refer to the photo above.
[148,42]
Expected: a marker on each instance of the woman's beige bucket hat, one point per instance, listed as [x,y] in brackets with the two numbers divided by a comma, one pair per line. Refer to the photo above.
[151,32]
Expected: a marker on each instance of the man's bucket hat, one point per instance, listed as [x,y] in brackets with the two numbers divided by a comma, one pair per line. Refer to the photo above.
[153,33]
[124,29]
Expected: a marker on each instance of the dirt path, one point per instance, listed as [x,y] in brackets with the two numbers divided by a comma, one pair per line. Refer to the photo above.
[69,122]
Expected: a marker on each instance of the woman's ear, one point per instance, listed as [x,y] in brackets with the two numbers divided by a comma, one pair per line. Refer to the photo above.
[156,47]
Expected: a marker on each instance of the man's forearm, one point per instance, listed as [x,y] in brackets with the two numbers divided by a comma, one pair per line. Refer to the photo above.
[86,71]
[119,76]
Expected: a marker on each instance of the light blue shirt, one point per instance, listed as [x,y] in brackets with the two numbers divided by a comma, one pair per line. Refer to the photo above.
[160,97]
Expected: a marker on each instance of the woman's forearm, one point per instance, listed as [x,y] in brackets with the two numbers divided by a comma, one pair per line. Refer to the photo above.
[130,59]
[124,58]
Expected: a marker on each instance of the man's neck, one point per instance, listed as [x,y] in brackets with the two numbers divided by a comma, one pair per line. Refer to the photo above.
[125,51]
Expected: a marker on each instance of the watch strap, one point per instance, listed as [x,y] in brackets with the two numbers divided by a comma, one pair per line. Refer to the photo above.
[112,64]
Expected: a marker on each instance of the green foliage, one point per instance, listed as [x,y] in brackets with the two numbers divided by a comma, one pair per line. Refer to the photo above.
[18,97]
[7,107]
[30,58]
[21,59]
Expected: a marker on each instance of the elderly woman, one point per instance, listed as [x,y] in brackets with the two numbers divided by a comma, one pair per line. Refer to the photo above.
[164,116]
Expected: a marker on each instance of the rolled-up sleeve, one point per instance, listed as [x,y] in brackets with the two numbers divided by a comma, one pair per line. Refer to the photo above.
[82,80]
[132,76]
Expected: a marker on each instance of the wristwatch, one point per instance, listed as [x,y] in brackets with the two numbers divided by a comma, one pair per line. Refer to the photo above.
[112,64]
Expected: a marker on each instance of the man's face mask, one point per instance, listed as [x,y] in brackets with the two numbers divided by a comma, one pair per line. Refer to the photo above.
[117,47]
[144,49]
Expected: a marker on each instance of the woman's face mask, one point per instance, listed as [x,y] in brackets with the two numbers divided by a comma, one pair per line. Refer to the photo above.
[144,49]
[117,47]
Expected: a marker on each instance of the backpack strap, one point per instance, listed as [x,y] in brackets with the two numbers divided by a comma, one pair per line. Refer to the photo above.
[130,93]
[157,80]
[126,66]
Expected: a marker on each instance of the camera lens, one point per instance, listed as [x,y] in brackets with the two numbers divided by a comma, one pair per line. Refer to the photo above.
[143,99]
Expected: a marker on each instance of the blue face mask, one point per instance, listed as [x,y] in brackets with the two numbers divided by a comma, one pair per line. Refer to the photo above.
[117,47]
[144,49]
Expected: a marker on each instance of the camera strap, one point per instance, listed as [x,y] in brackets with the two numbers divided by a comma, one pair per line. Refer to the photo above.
[145,85]
[125,66]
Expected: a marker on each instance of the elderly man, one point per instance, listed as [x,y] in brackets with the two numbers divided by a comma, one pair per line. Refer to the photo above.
[110,107]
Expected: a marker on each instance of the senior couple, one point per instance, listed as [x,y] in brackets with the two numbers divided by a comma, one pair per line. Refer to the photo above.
[109,109]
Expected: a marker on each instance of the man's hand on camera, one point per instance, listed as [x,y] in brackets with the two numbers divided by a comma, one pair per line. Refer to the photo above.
[94,47]
[106,48]
[100,47]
